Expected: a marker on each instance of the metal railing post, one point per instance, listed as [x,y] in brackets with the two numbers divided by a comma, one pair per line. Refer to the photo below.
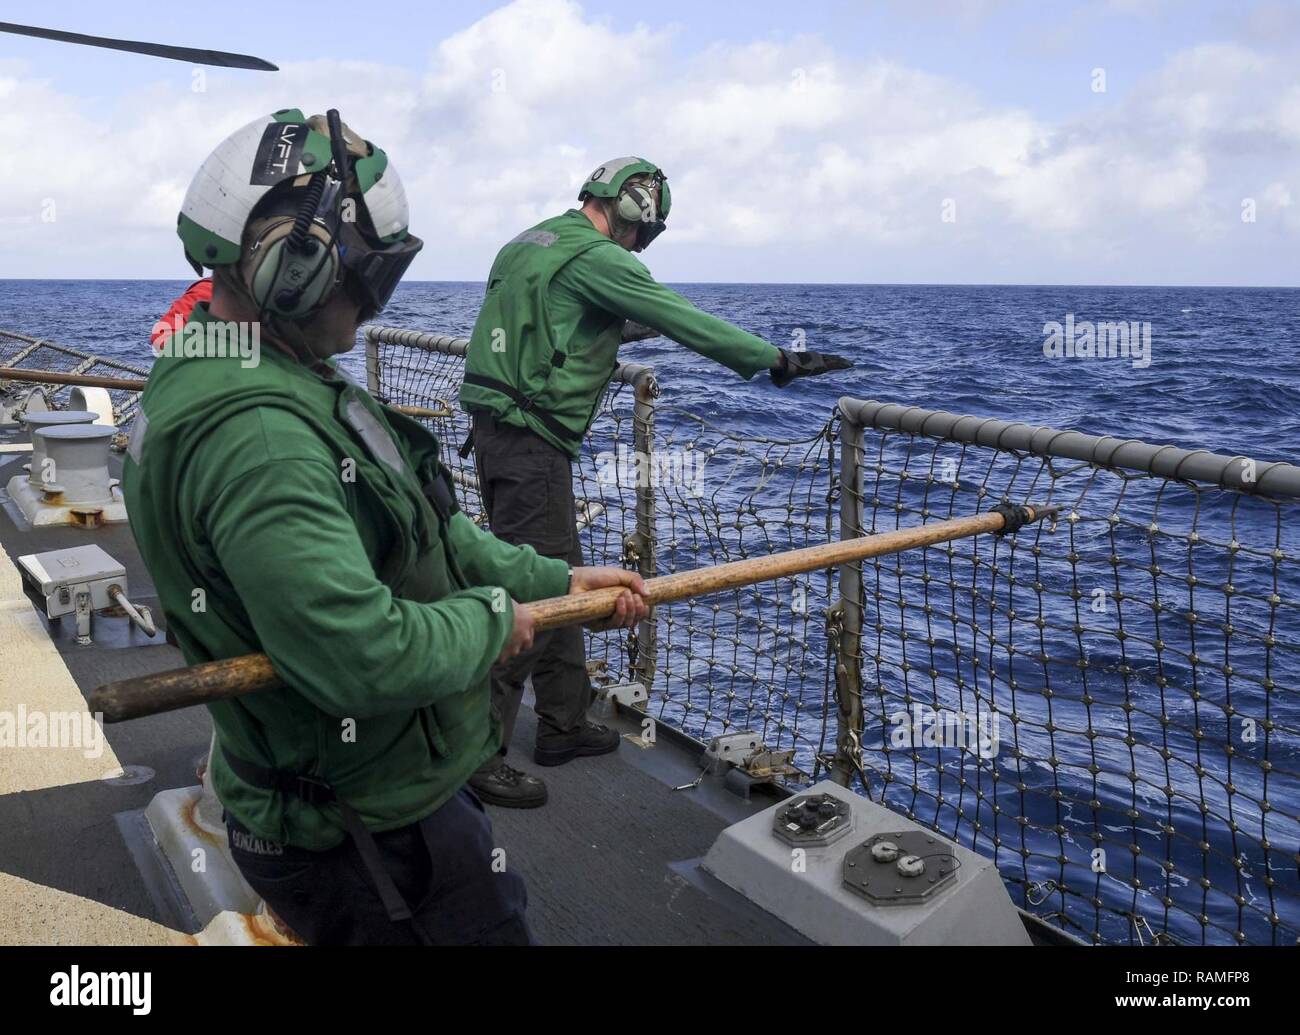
[643,424]
[372,361]
[845,639]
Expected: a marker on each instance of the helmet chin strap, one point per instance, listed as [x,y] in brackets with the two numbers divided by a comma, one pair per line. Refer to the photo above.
[616,224]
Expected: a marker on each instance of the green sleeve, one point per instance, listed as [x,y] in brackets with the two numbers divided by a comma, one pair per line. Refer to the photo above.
[486,560]
[619,283]
[283,537]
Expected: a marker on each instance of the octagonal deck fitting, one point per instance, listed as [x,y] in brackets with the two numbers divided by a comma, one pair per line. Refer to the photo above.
[900,868]
[812,821]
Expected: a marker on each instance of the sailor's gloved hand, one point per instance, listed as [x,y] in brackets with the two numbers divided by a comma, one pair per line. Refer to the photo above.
[631,606]
[805,364]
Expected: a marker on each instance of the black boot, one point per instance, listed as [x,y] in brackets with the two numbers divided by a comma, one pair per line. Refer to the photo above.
[588,739]
[505,786]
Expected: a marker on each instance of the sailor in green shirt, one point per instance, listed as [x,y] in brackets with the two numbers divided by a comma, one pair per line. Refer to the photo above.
[280,508]
[540,357]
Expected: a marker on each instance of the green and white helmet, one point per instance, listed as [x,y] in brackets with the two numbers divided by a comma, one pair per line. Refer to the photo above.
[288,149]
[633,203]
[252,161]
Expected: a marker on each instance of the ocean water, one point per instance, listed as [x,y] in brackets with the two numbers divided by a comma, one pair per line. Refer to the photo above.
[1223,375]
[1224,372]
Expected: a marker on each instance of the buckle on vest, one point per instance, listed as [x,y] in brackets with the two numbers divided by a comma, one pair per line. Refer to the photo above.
[313,791]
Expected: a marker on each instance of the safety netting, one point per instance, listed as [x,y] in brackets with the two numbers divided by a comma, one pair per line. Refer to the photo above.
[23,352]
[750,659]
[1106,705]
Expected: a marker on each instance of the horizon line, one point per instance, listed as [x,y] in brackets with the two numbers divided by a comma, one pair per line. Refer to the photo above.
[738,283]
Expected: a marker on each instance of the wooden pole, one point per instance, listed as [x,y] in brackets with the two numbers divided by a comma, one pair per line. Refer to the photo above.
[59,377]
[126,384]
[252,673]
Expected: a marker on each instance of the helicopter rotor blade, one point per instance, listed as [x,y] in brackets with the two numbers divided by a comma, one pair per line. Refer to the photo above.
[192,55]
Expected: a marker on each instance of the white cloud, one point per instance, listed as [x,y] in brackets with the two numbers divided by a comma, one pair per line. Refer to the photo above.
[777,151]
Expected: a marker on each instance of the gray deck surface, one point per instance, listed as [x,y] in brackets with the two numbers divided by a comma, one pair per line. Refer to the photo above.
[609,860]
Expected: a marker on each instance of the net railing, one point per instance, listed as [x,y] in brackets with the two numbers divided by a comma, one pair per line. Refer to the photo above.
[661,490]
[753,659]
[24,352]
[1106,706]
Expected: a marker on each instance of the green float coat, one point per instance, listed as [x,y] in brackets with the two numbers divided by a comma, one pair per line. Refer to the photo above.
[239,485]
[552,322]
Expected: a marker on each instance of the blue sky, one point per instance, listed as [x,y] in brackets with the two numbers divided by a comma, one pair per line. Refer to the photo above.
[987,107]
[1027,54]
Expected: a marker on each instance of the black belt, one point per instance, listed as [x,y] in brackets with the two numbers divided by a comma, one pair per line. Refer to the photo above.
[527,404]
[316,792]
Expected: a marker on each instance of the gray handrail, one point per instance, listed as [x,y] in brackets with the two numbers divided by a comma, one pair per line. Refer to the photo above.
[1278,480]
[625,373]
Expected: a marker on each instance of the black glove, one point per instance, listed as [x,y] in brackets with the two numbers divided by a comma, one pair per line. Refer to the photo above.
[806,364]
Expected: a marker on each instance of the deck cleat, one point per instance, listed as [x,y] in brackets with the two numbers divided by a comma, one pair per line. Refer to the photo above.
[813,821]
[746,761]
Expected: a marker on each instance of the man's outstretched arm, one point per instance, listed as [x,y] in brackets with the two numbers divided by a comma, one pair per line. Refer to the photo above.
[619,283]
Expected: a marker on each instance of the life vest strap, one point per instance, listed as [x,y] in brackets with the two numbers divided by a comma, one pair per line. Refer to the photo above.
[526,404]
[316,792]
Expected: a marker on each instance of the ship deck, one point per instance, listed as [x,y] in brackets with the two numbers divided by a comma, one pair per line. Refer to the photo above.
[611,859]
